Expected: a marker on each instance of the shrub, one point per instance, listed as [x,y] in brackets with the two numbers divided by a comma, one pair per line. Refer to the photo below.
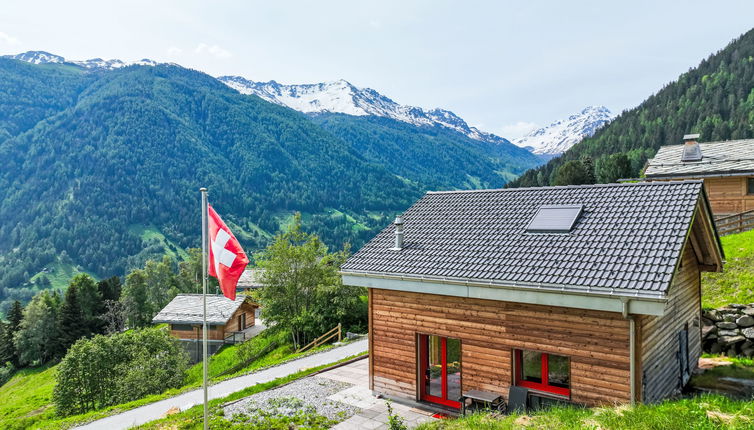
[108,370]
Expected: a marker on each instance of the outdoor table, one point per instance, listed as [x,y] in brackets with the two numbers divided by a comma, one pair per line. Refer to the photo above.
[492,400]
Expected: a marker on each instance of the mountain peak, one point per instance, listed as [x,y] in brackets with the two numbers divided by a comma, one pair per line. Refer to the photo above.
[557,137]
[43,57]
[342,96]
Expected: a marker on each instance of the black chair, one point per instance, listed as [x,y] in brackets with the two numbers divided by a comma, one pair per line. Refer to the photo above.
[517,397]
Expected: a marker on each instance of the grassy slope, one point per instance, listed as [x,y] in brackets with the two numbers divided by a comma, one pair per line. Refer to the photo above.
[60,274]
[736,283]
[27,397]
[151,233]
[29,392]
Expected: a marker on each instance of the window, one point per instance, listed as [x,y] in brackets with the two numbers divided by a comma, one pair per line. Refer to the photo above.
[749,185]
[183,327]
[544,372]
[555,219]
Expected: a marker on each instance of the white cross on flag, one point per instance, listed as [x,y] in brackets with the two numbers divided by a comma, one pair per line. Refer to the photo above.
[227,260]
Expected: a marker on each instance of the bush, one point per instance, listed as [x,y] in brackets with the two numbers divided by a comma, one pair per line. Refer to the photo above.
[6,372]
[108,370]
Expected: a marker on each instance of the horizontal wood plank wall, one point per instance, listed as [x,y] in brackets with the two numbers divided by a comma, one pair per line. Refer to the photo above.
[213,333]
[597,342]
[659,343]
[232,325]
[728,195]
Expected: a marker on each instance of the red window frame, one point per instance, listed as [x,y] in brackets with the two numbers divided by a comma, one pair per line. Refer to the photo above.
[544,385]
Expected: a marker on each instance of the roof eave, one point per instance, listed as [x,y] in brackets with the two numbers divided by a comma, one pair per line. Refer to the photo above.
[582,297]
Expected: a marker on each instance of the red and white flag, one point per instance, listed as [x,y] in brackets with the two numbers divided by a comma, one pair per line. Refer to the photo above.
[227,260]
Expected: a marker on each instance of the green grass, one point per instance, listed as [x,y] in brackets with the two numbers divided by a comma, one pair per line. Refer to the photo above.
[192,418]
[736,283]
[702,412]
[29,391]
[27,397]
[60,274]
[150,233]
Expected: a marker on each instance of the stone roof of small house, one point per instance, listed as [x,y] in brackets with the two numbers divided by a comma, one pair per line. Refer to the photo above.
[718,158]
[628,238]
[187,309]
[250,278]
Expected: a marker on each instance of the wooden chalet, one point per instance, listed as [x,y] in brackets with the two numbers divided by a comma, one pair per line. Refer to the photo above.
[228,321]
[727,169]
[584,294]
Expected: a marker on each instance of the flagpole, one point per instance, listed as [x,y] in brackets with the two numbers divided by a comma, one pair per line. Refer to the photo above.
[204,301]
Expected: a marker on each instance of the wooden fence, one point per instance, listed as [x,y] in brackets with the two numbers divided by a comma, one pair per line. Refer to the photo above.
[737,223]
[336,331]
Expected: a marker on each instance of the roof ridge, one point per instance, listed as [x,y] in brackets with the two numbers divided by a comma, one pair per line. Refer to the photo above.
[553,187]
[707,143]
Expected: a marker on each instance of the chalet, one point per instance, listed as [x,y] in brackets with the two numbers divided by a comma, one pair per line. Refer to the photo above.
[250,280]
[727,169]
[228,321]
[585,294]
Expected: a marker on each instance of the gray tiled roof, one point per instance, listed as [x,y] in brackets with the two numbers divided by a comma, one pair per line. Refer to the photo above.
[628,238]
[187,309]
[732,156]
[250,278]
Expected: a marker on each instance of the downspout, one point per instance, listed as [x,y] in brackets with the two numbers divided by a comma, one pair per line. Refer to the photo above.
[631,347]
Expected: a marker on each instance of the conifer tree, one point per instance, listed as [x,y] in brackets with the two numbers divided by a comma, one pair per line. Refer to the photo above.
[8,350]
[71,323]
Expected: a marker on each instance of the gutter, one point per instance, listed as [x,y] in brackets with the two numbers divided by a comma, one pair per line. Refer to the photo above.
[519,286]
[631,348]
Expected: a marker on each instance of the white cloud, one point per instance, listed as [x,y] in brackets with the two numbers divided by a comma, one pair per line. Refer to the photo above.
[212,50]
[8,39]
[519,129]
[174,50]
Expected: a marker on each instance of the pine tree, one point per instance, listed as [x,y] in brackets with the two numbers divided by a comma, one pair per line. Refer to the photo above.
[71,323]
[8,350]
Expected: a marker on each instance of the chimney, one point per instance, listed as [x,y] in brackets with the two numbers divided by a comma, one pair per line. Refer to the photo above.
[691,149]
[398,233]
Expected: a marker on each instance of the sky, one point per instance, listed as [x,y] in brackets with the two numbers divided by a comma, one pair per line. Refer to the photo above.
[504,66]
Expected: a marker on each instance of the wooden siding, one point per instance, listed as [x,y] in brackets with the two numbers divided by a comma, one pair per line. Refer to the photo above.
[248,310]
[596,342]
[213,333]
[661,374]
[728,195]
[219,332]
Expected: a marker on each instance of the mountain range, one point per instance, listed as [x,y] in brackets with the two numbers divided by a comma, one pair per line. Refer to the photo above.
[101,167]
[714,99]
[345,98]
[559,136]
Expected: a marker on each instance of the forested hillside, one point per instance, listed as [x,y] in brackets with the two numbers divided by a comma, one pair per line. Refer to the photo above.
[428,155]
[715,99]
[101,169]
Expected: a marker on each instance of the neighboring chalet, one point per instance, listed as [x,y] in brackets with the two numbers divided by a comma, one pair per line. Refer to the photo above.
[227,320]
[727,169]
[585,294]
[250,280]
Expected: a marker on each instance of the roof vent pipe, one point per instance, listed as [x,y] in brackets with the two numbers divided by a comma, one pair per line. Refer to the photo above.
[398,233]
[691,149]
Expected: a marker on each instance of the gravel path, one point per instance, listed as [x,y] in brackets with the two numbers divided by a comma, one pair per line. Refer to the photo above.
[313,392]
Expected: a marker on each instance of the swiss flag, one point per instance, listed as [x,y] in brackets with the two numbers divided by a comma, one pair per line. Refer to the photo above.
[227,260]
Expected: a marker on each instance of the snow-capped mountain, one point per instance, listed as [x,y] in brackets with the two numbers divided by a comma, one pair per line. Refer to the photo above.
[557,137]
[343,97]
[42,57]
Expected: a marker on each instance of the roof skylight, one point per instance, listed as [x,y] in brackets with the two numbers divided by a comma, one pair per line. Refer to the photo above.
[555,219]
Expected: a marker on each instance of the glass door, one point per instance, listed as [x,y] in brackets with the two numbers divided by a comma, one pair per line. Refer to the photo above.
[440,366]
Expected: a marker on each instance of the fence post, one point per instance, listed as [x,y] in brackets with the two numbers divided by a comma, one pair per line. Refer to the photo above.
[339,332]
